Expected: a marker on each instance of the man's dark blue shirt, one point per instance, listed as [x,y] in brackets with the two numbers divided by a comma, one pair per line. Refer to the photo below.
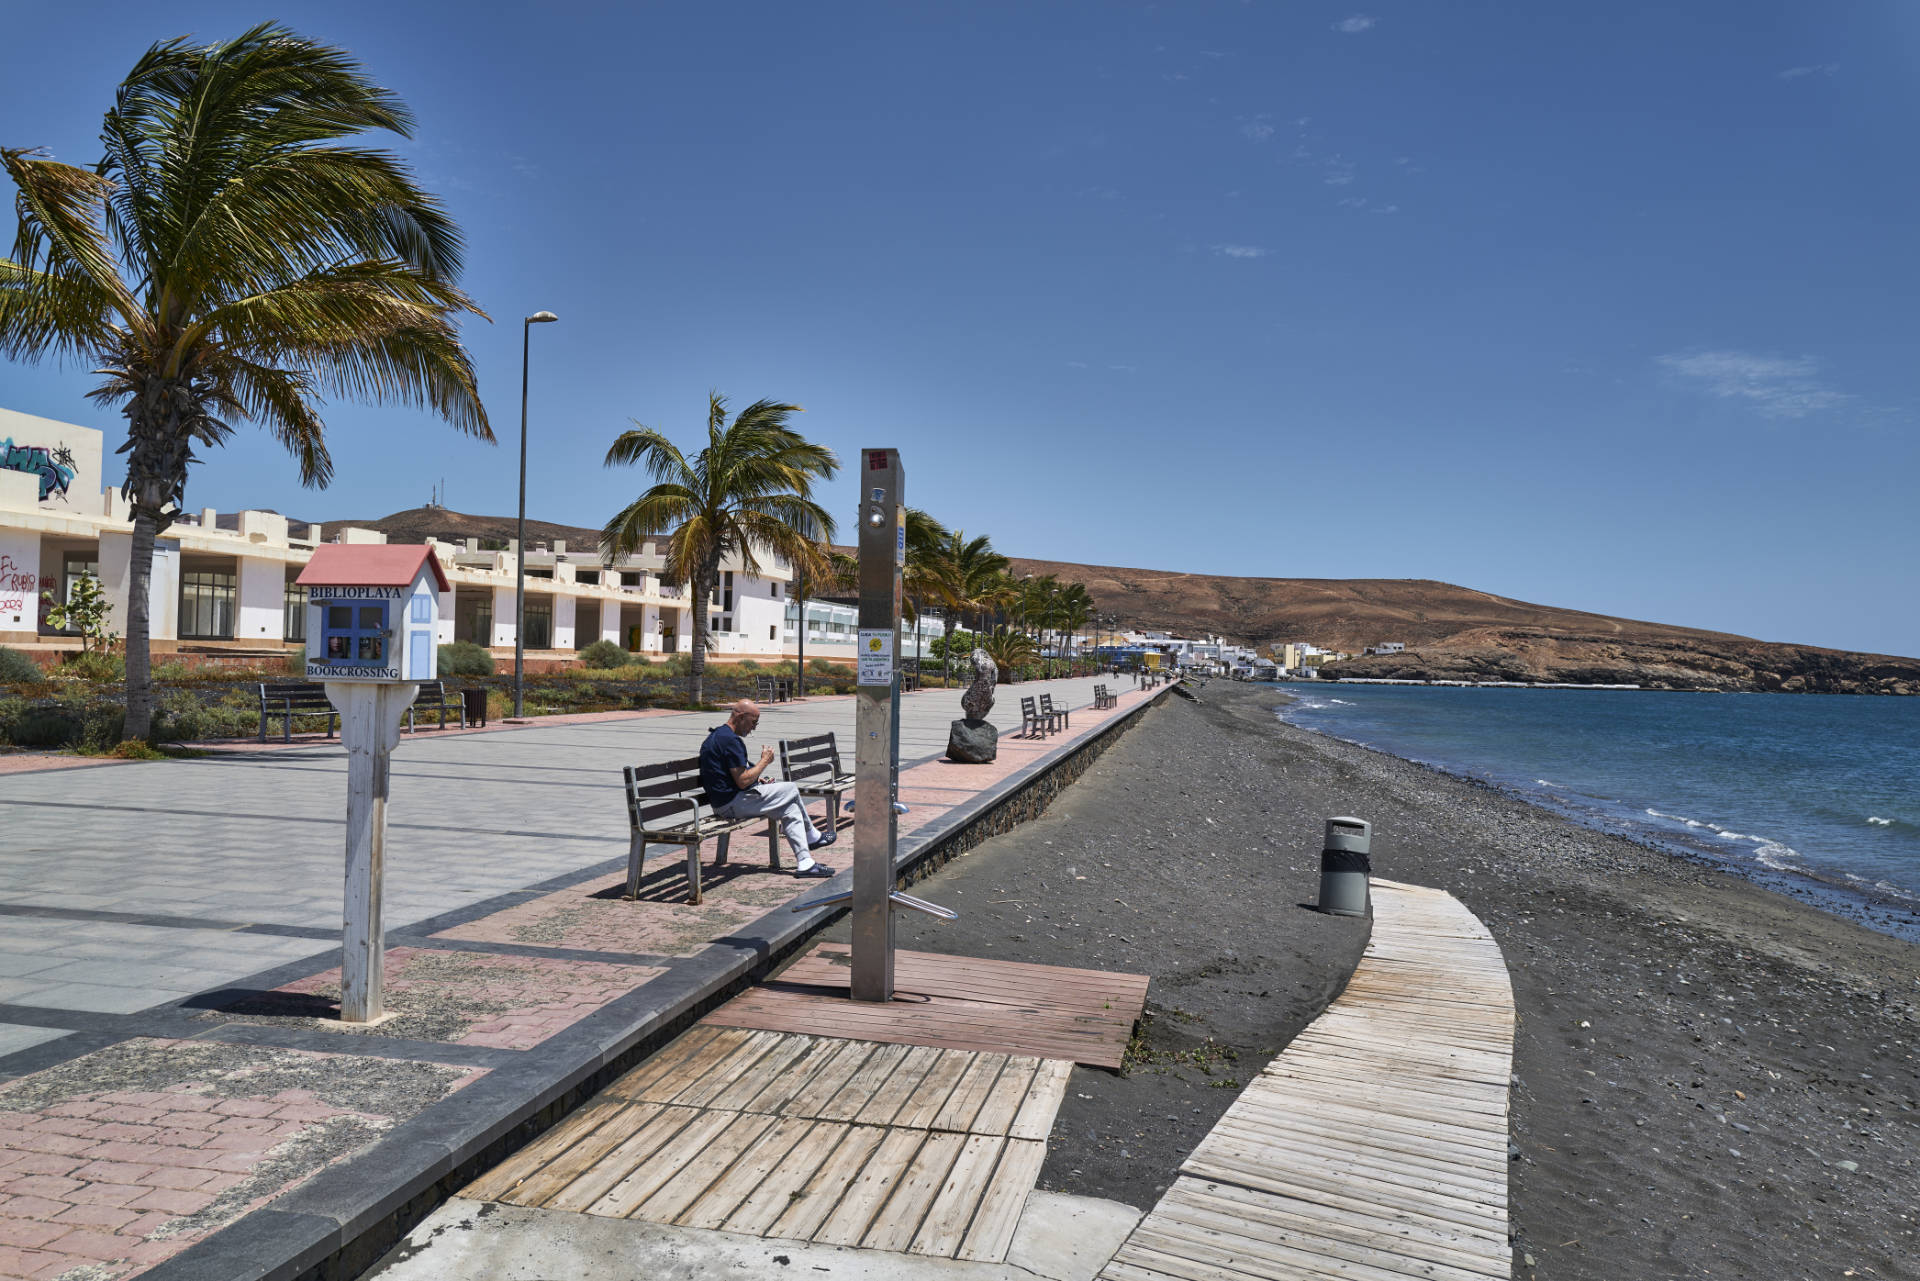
[720,755]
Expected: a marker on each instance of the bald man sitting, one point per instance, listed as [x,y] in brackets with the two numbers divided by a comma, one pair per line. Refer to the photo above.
[735,791]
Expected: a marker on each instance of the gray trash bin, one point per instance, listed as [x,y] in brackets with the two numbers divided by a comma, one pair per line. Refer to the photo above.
[1345,864]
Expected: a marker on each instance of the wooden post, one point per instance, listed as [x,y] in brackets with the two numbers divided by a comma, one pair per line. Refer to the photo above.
[370,716]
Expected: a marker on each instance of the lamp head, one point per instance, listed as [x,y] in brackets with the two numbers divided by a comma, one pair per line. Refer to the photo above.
[541,318]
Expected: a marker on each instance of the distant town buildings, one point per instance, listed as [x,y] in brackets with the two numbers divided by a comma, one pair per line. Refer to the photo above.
[225,581]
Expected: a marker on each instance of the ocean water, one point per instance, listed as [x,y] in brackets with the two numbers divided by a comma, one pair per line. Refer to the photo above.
[1812,790]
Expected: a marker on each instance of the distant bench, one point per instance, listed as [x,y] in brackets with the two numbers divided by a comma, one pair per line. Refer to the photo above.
[288,699]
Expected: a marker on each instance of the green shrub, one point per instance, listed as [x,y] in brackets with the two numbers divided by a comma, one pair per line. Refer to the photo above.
[12,711]
[603,654]
[748,665]
[95,667]
[819,665]
[639,660]
[17,669]
[464,658]
[174,670]
[43,727]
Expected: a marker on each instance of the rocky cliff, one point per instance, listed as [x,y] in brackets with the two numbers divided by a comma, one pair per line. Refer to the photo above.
[1486,654]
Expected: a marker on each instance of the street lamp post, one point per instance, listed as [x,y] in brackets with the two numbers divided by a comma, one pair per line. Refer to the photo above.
[520,529]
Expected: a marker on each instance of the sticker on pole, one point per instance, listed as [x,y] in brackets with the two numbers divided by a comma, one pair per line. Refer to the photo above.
[876,656]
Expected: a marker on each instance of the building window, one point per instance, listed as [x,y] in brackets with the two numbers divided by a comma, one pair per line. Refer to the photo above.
[589,577]
[770,635]
[206,605]
[776,590]
[723,593]
[629,578]
[539,622]
[296,611]
[78,566]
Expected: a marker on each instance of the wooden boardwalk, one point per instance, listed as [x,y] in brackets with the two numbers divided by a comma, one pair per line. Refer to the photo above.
[893,1147]
[1375,1147]
[954,1002]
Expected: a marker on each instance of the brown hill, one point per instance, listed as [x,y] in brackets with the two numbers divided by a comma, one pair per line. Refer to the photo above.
[1457,633]
[419,524]
[1451,633]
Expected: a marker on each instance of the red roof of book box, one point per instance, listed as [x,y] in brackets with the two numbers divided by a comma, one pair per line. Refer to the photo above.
[371,564]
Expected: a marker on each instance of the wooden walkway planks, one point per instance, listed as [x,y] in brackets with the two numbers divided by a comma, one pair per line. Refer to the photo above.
[952,1002]
[1375,1147]
[908,1148]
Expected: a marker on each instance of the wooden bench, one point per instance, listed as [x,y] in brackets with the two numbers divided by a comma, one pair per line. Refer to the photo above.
[1048,709]
[288,699]
[667,805]
[1034,722]
[813,766]
[1103,698]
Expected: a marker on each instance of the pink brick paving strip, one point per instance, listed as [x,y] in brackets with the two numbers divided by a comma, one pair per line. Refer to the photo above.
[465,998]
[595,918]
[121,1158]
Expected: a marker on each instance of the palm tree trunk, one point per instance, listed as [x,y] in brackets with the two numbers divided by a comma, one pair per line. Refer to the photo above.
[139,629]
[697,658]
[800,632]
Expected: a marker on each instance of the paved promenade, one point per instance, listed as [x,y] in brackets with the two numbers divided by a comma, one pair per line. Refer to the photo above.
[168,964]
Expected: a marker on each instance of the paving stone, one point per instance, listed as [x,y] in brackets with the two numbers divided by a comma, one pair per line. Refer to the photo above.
[169,1140]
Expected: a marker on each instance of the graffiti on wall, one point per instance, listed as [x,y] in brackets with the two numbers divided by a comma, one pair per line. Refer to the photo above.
[53,466]
[18,587]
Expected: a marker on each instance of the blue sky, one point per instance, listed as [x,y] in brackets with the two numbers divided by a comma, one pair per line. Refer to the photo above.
[1608,306]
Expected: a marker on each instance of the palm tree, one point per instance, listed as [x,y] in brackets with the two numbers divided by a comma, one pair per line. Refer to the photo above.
[1010,649]
[970,574]
[749,491]
[1073,609]
[816,566]
[228,259]
[924,581]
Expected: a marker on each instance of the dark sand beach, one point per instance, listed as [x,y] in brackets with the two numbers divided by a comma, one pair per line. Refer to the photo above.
[1711,1079]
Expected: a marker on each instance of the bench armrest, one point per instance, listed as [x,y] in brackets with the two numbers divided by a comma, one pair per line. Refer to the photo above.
[693,816]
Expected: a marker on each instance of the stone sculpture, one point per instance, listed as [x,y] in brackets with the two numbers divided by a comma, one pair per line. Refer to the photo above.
[973,740]
[978,700]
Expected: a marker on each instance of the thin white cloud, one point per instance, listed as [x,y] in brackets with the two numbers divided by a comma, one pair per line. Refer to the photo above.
[1353,26]
[1240,251]
[1256,131]
[1076,364]
[1817,69]
[1776,386]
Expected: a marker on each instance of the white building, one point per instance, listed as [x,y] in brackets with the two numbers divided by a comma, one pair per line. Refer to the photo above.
[226,582]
